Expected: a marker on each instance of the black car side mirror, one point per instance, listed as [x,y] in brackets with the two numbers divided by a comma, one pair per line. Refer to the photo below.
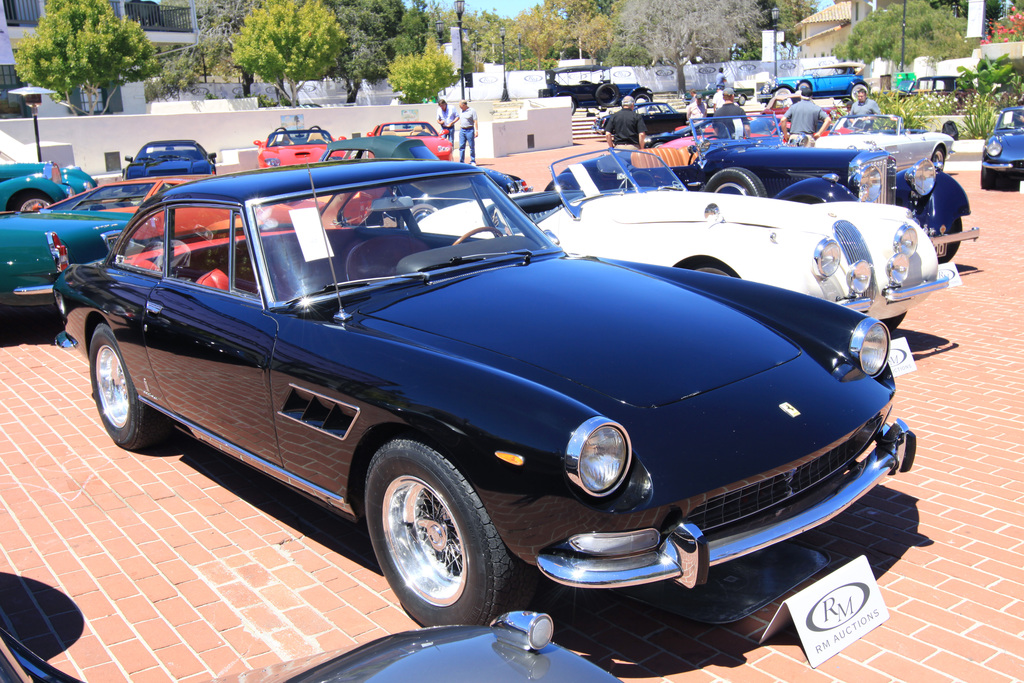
[129,159]
[213,156]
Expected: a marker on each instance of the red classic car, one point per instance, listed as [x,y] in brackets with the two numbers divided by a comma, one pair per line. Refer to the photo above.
[440,146]
[287,147]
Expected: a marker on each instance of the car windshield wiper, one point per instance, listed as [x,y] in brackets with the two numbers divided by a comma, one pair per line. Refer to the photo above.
[353,284]
[476,258]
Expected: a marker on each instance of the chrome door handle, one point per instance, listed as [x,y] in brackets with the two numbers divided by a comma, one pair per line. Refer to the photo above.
[153,308]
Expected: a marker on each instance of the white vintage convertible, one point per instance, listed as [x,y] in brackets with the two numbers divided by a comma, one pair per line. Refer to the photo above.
[629,205]
[886,132]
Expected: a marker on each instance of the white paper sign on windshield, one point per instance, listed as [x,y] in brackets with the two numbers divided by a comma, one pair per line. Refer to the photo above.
[312,236]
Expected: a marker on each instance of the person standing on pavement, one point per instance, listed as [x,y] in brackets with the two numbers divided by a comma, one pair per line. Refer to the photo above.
[696,109]
[625,128]
[446,118]
[468,130]
[863,106]
[805,116]
[720,80]
[732,114]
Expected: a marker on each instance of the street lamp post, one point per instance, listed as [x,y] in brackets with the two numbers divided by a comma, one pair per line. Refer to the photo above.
[775,39]
[34,97]
[460,7]
[520,37]
[504,76]
[903,34]
[439,25]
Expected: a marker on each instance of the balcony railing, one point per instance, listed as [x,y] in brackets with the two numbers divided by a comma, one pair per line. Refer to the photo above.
[150,15]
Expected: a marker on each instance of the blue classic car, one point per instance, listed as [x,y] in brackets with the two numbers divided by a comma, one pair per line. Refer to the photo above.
[400,342]
[831,80]
[746,155]
[170,157]
[1002,160]
[591,87]
[31,186]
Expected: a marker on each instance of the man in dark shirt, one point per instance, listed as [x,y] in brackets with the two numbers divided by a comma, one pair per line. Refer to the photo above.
[805,117]
[625,128]
[730,111]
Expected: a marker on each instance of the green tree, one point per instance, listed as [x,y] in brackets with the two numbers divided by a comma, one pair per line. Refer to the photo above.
[81,44]
[421,77]
[288,44]
[220,22]
[372,27]
[930,33]
[415,30]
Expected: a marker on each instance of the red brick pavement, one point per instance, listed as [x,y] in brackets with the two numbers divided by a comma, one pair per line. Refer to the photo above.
[180,564]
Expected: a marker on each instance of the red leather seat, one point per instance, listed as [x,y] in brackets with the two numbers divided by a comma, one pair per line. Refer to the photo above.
[216,278]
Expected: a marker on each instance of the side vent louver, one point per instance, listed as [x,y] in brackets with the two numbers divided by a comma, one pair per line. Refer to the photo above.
[319,412]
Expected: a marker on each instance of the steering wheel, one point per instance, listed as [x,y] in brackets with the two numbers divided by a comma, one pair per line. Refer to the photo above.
[474,231]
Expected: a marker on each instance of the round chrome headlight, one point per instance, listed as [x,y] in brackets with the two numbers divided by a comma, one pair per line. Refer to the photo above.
[273,161]
[921,177]
[827,256]
[994,147]
[869,184]
[869,344]
[597,456]
[905,241]
[897,269]
[859,277]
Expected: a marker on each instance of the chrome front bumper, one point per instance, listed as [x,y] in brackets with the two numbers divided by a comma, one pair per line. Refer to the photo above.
[894,295]
[686,555]
[962,236]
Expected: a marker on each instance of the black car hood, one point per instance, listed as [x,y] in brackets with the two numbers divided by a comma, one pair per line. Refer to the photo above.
[169,166]
[816,161]
[1012,142]
[635,338]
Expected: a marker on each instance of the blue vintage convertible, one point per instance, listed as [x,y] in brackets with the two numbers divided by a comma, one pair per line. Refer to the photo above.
[746,155]
[400,342]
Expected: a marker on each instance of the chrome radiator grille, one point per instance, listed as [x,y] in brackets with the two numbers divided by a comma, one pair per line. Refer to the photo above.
[749,500]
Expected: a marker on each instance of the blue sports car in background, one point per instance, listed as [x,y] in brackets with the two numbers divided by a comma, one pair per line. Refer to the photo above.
[170,157]
[1003,156]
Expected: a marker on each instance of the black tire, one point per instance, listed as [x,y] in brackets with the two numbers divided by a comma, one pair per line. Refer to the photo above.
[607,94]
[572,105]
[736,181]
[741,100]
[642,98]
[988,179]
[952,247]
[129,422]
[939,157]
[446,563]
[29,200]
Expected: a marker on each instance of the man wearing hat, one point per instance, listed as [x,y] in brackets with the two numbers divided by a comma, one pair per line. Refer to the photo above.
[625,128]
[804,117]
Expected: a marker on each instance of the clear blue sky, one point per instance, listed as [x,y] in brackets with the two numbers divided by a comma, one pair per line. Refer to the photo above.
[504,8]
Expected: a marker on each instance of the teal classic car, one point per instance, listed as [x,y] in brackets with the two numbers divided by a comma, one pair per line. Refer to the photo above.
[31,186]
[36,247]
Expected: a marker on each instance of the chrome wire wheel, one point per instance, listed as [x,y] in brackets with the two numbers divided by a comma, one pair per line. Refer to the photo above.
[112,387]
[425,541]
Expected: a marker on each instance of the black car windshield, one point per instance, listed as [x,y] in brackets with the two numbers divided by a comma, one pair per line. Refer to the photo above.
[284,138]
[750,128]
[170,150]
[1011,120]
[593,174]
[105,197]
[388,231]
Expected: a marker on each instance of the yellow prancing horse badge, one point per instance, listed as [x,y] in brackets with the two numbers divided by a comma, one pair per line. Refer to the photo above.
[789,409]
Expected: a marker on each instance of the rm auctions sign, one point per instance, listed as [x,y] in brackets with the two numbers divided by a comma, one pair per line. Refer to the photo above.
[833,612]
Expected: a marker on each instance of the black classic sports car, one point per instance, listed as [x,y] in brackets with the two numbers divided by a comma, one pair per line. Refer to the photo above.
[397,340]
[170,157]
[1002,160]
